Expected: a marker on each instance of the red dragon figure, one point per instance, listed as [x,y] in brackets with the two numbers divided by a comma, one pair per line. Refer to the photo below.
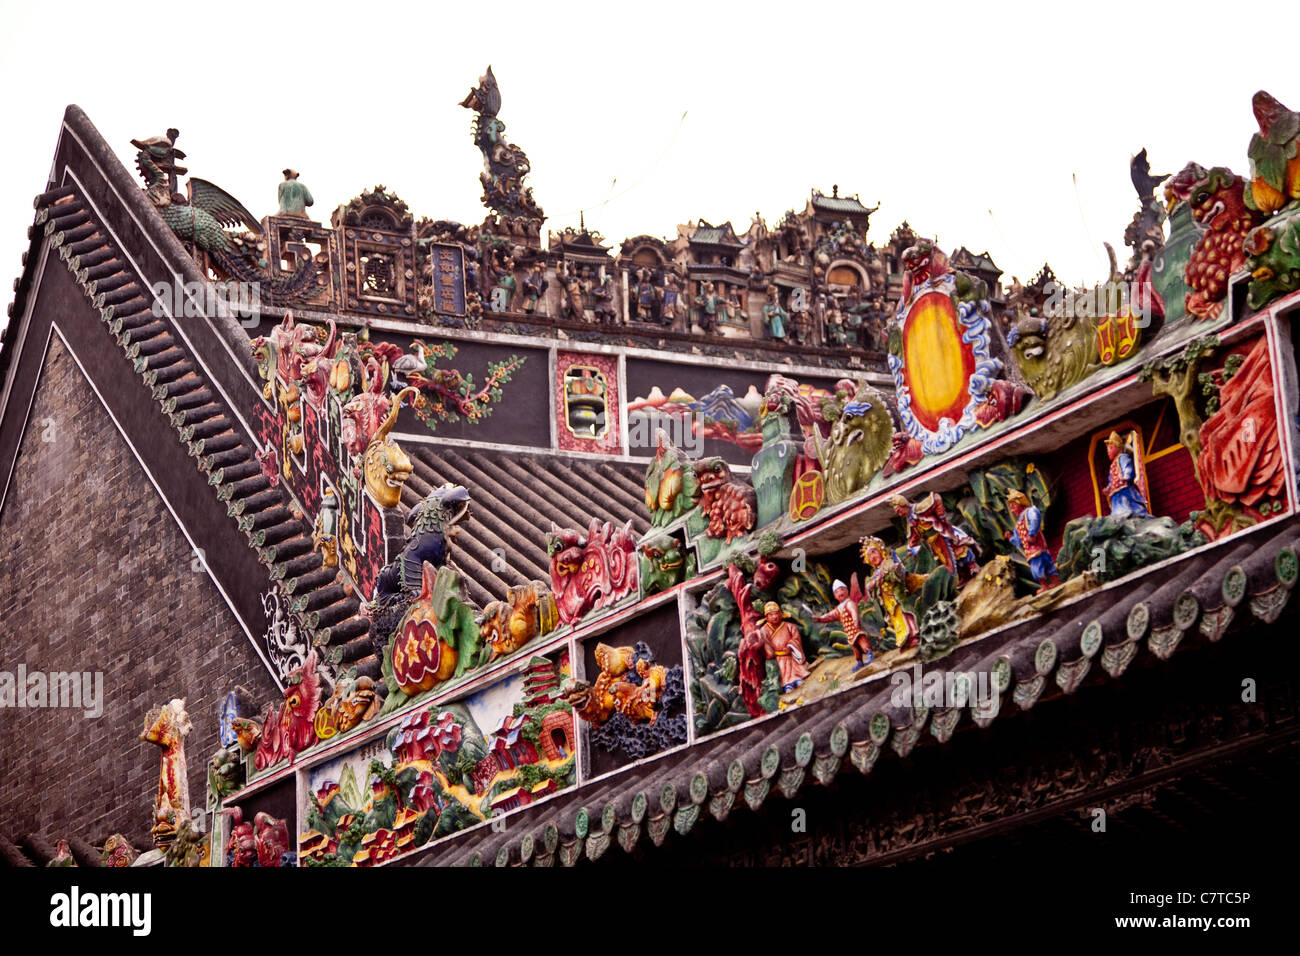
[731,506]
[597,570]
[293,728]
[1217,202]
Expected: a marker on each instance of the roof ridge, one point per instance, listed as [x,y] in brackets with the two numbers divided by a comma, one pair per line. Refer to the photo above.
[267,514]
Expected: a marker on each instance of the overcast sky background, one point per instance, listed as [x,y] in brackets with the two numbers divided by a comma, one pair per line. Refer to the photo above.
[973,122]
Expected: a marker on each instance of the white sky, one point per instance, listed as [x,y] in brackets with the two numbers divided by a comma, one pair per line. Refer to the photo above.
[939,112]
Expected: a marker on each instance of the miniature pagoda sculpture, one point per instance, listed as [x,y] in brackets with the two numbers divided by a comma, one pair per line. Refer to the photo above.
[167,727]
[504,164]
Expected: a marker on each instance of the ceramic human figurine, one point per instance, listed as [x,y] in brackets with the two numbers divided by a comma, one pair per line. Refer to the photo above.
[294,197]
[928,526]
[850,618]
[888,584]
[324,534]
[849,615]
[775,317]
[708,302]
[535,286]
[1028,537]
[782,640]
[1126,483]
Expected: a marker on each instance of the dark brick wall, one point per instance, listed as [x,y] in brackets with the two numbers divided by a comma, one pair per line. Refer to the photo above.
[95,575]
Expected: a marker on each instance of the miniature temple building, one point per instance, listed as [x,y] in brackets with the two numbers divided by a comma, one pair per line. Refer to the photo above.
[444,526]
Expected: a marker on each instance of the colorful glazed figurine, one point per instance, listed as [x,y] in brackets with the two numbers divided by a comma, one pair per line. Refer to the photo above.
[324,533]
[888,583]
[1273,258]
[1126,484]
[709,303]
[849,616]
[591,571]
[615,690]
[354,701]
[1274,156]
[118,851]
[386,466]
[941,353]
[751,654]
[504,164]
[225,773]
[291,728]
[270,839]
[1241,464]
[535,286]
[431,527]
[730,505]
[421,657]
[241,847]
[1028,537]
[663,564]
[528,611]
[238,703]
[1217,203]
[928,527]
[671,488]
[859,445]
[247,733]
[62,855]
[167,727]
[672,297]
[782,640]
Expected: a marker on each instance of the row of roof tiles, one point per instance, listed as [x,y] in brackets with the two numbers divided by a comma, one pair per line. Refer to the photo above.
[1198,599]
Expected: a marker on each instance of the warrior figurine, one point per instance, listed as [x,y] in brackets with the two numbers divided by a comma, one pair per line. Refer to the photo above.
[1028,537]
[781,640]
[1126,487]
[887,583]
[928,526]
[850,618]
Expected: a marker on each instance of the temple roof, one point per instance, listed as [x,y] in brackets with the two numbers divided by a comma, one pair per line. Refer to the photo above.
[978,262]
[836,203]
[1225,590]
[516,497]
[710,235]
